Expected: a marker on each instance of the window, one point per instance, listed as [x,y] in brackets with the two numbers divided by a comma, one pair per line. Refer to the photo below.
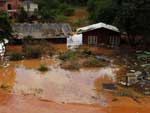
[92,40]
[9,7]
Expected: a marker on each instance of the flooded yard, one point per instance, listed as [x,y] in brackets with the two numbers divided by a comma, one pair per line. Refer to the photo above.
[57,84]
[25,89]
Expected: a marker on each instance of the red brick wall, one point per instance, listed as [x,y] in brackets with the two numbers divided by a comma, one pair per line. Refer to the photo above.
[15,3]
[2,5]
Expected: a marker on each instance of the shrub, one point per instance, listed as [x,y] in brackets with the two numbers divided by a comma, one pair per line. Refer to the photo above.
[16,56]
[43,68]
[69,55]
[72,55]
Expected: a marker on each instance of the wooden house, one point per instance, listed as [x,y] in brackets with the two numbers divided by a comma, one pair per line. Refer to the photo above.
[100,34]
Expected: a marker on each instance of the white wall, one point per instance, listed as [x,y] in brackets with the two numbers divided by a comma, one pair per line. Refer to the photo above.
[32,7]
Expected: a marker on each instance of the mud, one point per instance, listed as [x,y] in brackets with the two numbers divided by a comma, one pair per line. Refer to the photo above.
[26,90]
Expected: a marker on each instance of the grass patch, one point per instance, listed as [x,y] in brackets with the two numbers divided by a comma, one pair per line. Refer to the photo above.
[16,56]
[69,55]
[74,55]
[43,68]
[81,57]
[93,62]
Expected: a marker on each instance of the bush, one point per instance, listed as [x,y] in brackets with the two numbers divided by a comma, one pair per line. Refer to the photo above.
[43,68]
[69,11]
[69,55]
[74,55]
[16,56]
[33,52]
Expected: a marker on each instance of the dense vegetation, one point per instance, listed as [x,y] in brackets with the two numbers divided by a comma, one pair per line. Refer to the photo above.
[50,10]
[5,26]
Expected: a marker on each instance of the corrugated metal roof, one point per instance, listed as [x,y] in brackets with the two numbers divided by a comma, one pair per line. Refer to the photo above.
[97,26]
[43,30]
[2,0]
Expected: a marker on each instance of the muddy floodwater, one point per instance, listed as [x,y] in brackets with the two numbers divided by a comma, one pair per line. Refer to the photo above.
[57,84]
[26,90]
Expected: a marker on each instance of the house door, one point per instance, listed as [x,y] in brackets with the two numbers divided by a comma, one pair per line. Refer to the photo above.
[92,40]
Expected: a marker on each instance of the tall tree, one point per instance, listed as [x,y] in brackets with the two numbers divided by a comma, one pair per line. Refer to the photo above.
[133,17]
[101,10]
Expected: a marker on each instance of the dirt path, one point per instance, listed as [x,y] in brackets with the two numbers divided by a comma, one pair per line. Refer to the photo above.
[29,104]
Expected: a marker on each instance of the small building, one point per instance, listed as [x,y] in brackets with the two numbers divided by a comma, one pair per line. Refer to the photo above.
[10,6]
[30,7]
[2,4]
[100,34]
[52,32]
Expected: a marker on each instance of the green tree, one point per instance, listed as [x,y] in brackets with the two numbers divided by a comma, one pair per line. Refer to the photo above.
[22,16]
[48,9]
[101,11]
[133,18]
[5,26]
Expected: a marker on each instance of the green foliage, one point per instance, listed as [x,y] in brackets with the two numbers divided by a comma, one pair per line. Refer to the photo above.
[66,9]
[47,15]
[22,16]
[75,2]
[5,26]
[16,56]
[43,68]
[50,10]
[131,16]
[101,11]
[69,11]
[74,55]
[61,18]
[70,55]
